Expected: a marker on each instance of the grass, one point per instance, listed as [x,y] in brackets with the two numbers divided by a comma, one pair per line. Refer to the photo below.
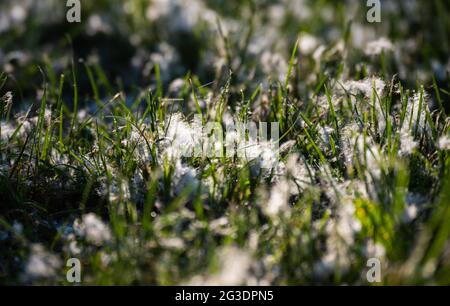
[93,168]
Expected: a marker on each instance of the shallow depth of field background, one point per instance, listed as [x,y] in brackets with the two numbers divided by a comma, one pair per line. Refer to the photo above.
[95,117]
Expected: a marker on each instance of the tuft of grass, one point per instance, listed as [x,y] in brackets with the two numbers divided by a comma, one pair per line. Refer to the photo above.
[94,168]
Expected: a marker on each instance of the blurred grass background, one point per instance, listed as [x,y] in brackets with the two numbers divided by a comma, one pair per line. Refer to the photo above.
[120,63]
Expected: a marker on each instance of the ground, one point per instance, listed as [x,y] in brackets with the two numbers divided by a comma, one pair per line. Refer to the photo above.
[130,141]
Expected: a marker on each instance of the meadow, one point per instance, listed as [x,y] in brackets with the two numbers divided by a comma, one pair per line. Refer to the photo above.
[99,119]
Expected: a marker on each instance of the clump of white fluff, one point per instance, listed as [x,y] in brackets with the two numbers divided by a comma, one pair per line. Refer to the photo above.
[93,229]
